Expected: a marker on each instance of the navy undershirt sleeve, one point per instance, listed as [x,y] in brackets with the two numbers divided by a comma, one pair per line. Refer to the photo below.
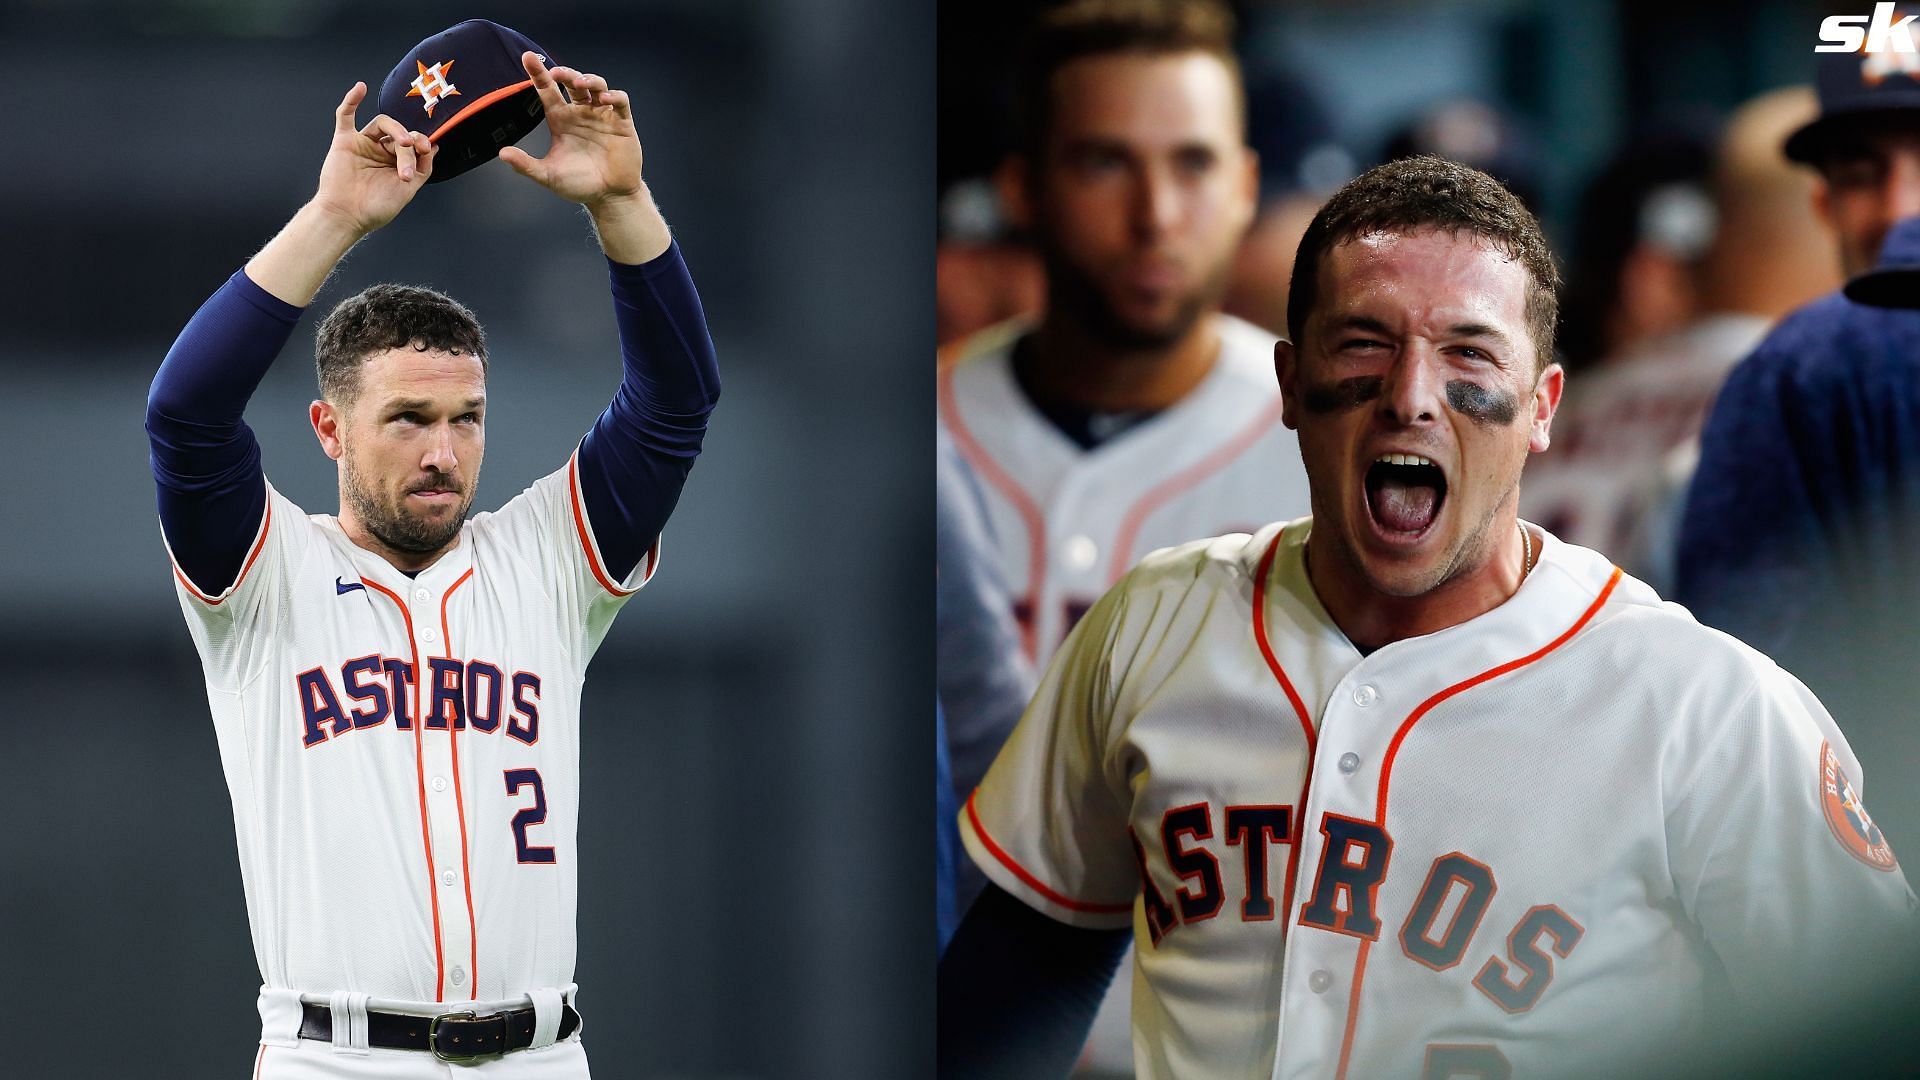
[1018,990]
[635,460]
[206,461]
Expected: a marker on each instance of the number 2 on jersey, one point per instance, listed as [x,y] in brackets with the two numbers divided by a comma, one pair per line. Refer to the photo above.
[529,816]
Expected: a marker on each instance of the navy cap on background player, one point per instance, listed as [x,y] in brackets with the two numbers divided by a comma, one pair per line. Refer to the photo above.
[1895,282]
[1856,88]
[465,89]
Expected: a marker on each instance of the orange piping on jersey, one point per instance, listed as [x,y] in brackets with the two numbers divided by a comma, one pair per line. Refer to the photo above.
[475,106]
[1029,511]
[1353,1007]
[420,774]
[948,355]
[259,1059]
[460,803]
[1306,725]
[259,544]
[973,818]
[1393,750]
[1174,485]
[586,542]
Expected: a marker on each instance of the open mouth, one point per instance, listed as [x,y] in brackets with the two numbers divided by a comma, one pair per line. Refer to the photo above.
[1404,494]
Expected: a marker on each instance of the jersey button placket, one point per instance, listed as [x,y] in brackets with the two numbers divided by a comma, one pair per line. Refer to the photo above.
[1073,558]
[443,810]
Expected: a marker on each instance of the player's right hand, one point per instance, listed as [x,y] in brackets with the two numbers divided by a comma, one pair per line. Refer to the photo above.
[371,172]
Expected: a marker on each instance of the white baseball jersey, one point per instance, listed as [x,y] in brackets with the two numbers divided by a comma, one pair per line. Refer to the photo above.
[1512,846]
[403,753]
[1069,521]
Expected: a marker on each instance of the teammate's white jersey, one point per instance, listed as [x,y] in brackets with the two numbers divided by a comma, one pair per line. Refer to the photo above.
[403,753]
[1070,521]
[1625,441]
[1524,841]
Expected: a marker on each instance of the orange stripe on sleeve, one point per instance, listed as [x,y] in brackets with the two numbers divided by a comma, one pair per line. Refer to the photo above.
[1032,882]
[586,538]
[259,544]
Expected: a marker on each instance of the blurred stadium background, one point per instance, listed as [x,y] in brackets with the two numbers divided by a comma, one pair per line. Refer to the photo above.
[752,904]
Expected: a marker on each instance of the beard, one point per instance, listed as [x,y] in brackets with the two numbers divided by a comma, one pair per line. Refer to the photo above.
[397,527]
[1083,297]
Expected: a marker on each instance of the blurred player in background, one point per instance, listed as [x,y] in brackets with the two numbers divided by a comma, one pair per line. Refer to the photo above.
[1133,415]
[1799,529]
[1716,253]
[984,680]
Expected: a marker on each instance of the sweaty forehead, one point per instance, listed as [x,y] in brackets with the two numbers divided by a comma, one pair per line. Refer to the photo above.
[1144,99]
[1424,281]
[409,372]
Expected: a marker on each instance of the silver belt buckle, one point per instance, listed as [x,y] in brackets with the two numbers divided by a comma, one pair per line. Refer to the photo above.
[433,1036]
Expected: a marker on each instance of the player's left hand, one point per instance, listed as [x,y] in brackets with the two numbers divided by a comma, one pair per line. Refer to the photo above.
[595,153]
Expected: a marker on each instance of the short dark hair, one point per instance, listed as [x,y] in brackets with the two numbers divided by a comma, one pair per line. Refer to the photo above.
[384,317]
[1428,192]
[1082,28]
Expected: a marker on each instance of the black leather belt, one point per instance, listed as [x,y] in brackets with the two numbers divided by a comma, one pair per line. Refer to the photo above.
[450,1036]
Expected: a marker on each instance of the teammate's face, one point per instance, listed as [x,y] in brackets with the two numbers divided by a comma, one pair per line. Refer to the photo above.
[1418,346]
[410,447]
[1871,183]
[1142,193]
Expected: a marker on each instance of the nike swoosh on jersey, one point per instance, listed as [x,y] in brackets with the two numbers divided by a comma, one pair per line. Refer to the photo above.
[341,588]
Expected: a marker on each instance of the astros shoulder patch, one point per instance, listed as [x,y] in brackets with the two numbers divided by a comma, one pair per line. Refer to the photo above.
[1848,817]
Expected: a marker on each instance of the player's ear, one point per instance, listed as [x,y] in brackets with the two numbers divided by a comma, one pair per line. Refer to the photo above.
[1823,201]
[327,423]
[1284,360]
[1546,399]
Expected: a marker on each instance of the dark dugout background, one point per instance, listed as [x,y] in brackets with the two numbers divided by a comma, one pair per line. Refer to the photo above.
[753,887]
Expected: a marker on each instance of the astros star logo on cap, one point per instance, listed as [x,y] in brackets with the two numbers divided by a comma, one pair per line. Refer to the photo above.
[497,103]
[432,85]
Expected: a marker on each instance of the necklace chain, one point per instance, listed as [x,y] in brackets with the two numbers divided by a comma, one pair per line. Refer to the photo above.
[1526,552]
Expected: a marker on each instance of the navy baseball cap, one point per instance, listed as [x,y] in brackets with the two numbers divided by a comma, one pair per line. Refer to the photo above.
[1895,282]
[465,89]
[1856,88]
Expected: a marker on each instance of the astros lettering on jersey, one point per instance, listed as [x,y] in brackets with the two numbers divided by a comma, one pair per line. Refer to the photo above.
[409,747]
[1492,849]
[1069,522]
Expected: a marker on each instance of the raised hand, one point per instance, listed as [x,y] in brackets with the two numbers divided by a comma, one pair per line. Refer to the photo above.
[594,157]
[370,173]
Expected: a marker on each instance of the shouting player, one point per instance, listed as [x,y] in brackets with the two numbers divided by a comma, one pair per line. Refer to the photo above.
[1409,787]
[396,688]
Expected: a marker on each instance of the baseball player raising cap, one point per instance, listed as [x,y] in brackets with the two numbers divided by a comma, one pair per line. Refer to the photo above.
[1409,787]
[396,686]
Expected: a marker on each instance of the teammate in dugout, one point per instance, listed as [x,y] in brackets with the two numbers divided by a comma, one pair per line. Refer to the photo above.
[396,688]
[1135,414]
[1409,787]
